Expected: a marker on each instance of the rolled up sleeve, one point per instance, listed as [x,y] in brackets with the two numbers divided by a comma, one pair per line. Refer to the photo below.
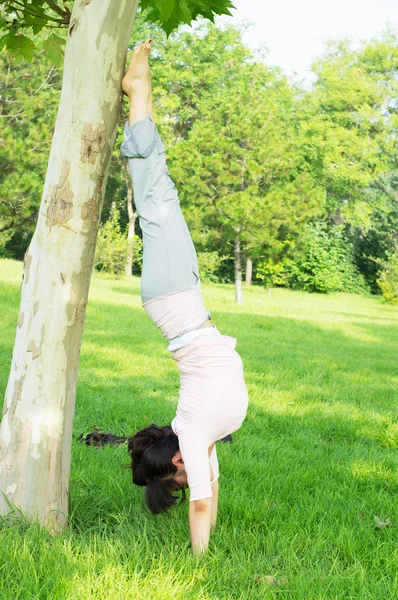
[139,139]
[195,454]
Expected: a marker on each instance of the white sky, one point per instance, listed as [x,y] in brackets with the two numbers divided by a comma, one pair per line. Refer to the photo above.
[295,31]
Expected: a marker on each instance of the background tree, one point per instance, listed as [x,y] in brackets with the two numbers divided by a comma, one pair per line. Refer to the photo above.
[188,68]
[29,95]
[350,136]
[239,167]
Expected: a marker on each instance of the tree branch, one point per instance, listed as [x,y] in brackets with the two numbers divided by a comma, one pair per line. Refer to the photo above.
[42,17]
[4,167]
[390,193]
[66,14]
[49,74]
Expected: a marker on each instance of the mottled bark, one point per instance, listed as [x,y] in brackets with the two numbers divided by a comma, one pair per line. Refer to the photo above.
[36,428]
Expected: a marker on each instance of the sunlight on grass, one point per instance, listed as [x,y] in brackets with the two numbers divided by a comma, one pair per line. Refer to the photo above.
[300,485]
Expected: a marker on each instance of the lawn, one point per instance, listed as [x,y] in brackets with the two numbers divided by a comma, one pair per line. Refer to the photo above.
[308,489]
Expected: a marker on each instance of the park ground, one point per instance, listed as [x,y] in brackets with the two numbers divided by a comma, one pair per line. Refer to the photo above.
[308,488]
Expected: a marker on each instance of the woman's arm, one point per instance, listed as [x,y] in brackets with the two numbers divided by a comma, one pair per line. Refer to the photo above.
[200,470]
[200,513]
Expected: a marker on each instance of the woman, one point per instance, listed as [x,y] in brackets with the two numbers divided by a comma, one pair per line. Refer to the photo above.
[213,397]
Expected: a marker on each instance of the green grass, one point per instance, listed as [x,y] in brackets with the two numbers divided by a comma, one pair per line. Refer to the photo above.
[314,462]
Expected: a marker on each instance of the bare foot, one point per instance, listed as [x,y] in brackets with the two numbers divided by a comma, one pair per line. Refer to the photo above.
[138,71]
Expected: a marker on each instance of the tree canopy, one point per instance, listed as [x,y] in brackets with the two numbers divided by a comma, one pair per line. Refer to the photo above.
[256,157]
[18,17]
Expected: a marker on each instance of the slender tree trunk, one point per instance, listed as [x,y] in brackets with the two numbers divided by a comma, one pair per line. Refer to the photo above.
[238,272]
[36,429]
[132,219]
[249,271]
[238,253]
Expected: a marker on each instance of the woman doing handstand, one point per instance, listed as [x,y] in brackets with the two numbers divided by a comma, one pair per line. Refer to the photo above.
[213,397]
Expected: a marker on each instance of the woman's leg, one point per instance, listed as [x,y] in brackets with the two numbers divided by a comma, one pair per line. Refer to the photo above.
[170,262]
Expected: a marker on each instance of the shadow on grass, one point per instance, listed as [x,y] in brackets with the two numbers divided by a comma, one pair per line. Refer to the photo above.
[359,317]
[320,421]
[131,291]
[319,397]
[295,356]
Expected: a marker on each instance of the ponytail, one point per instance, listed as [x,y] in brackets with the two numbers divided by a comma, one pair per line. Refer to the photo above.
[152,450]
[159,497]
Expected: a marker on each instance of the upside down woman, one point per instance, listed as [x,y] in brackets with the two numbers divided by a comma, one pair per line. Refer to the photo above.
[213,397]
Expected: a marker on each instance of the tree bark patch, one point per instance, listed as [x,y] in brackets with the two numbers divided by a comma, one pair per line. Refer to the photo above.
[17,395]
[93,141]
[21,320]
[90,210]
[60,207]
[34,349]
[27,262]
[80,310]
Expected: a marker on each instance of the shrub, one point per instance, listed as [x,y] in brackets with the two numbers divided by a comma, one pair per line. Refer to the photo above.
[274,274]
[5,236]
[209,262]
[111,250]
[327,264]
[137,248]
[388,280]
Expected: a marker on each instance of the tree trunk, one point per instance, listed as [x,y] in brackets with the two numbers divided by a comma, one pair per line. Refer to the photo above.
[249,271]
[132,219]
[36,429]
[238,272]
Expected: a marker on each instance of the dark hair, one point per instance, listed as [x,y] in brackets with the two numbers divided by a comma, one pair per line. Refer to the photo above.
[152,450]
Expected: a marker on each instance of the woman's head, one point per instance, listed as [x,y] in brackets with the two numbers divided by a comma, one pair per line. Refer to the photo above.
[155,461]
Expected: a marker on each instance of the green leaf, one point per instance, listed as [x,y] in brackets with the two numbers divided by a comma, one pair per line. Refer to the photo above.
[147,4]
[209,9]
[183,11]
[10,41]
[171,13]
[27,47]
[19,46]
[168,27]
[36,28]
[166,9]
[37,23]
[53,48]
